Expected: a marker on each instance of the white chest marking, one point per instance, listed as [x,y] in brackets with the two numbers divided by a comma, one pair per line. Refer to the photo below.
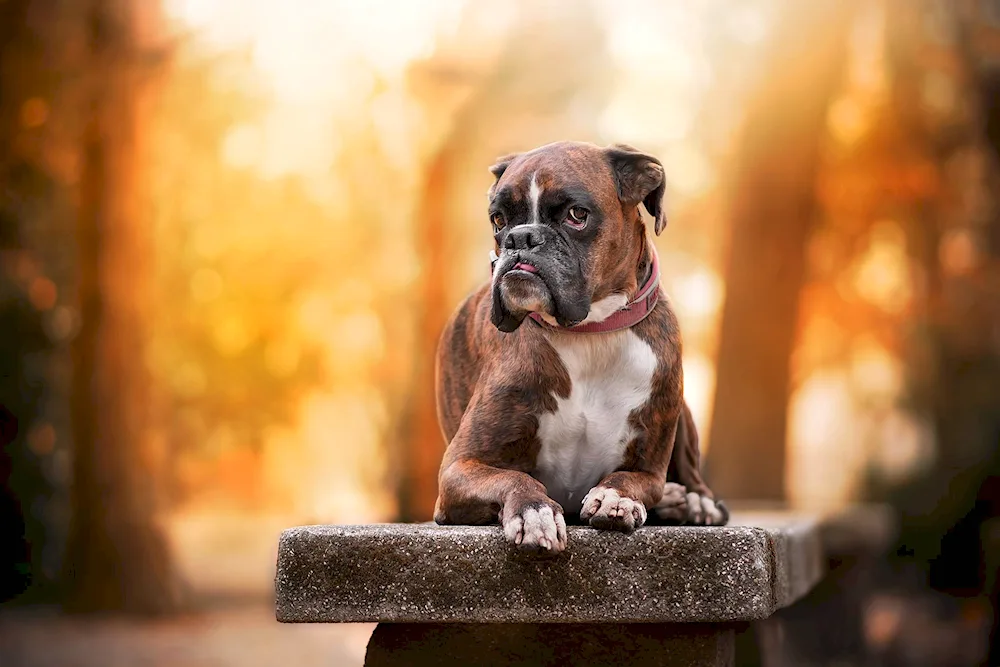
[586,437]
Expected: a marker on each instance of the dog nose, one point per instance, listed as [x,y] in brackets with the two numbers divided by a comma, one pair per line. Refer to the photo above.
[524,237]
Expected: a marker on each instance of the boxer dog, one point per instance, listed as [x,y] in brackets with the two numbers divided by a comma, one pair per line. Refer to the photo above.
[559,383]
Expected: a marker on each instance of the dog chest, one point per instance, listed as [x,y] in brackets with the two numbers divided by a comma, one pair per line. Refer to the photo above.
[585,438]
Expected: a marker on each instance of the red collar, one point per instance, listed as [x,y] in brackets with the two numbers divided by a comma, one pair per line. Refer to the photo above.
[632,313]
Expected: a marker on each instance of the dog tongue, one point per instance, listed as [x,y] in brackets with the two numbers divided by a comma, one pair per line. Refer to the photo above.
[525,267]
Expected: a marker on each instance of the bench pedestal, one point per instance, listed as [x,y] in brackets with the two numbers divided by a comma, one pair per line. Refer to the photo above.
[551,644]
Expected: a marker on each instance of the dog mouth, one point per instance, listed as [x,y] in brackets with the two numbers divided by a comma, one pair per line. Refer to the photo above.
[518,289]
[517,269]
[525,288]
[523,285]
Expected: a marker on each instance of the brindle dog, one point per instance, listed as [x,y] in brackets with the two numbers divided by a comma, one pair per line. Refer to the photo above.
[578,412]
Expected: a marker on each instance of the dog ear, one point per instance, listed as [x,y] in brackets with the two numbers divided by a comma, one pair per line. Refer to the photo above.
[498,169]
[640,179]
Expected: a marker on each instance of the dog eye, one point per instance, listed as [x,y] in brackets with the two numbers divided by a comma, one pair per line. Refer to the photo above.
[577,217]
[498,221]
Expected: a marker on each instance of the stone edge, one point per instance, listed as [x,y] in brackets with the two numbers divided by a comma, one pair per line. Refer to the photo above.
[788,578]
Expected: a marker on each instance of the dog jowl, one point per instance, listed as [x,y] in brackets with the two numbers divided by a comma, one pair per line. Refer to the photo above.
[559,383]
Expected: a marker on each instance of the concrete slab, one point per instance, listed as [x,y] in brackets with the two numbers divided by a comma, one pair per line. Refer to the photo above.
[412,573]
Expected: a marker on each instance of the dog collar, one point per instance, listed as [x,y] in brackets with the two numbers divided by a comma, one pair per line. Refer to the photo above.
[632,313]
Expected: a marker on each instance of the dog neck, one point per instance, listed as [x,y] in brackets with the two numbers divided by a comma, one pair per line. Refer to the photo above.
[628,316]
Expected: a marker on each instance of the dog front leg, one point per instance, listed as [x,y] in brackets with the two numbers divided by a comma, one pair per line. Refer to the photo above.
[472,492]
[620,500]
[686,497]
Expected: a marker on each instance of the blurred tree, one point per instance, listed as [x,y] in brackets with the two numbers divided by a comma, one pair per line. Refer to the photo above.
[524,106]
[16,315]
[26,190]
[946,86]
[22,480]
[226,348]
[117,557]
[773,207]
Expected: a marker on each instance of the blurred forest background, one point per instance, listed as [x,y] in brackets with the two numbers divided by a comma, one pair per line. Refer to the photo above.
[231,232]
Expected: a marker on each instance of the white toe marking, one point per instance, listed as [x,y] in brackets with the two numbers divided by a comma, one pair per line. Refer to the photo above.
[532,526]
[537,528]
[713,515]
[695,511]
[561,530]
[704,511]
[638,513]
[595,499]
[606,502]
[512,529]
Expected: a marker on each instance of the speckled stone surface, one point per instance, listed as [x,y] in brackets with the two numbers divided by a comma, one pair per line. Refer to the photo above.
[425,573]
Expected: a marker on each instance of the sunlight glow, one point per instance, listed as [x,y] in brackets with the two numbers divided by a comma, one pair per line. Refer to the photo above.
[345,463]
[332,122]
[297,153]
[825,449]
[875,372]
[310,77]
[699,391]
[904,446]
[698,294]
[881,275]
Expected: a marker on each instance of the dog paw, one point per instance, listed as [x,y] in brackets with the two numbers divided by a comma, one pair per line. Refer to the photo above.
[536,527]
[703,511]
[693,509]
[603,508]
[673,507]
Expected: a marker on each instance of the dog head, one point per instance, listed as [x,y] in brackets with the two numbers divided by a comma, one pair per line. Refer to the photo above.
[568,231]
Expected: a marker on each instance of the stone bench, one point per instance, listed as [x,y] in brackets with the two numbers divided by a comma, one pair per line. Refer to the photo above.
[460,595]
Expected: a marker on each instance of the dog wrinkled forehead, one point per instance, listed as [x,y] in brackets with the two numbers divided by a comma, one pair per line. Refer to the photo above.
[559,165]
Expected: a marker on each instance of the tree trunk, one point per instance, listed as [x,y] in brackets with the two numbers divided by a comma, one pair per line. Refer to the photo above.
[942,511]
[772,213]
[117,557]
[21,334]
